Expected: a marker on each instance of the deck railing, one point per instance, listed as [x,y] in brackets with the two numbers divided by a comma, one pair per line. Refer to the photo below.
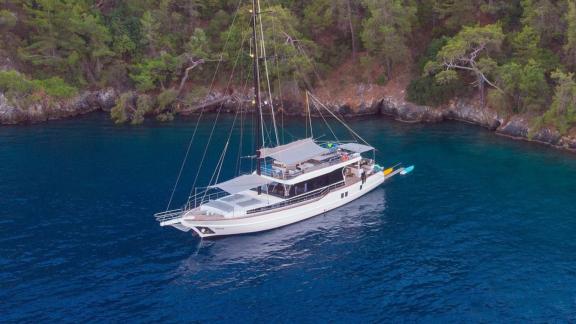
[169,215]
[202,197]
[273,172]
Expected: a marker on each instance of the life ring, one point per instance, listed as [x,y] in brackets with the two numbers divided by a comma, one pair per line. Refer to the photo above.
[345,157]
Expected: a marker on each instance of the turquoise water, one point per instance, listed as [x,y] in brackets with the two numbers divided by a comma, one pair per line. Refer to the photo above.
[483,230]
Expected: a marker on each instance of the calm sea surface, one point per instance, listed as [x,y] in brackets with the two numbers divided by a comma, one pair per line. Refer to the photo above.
[484,230]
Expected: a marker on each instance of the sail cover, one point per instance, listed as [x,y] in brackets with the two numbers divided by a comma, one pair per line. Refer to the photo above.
[294,152]
[242,183]
[357,148]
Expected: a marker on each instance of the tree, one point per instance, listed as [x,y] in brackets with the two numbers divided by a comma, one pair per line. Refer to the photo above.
[68,38]
[333,17]
[546,17]
[469,51]
[563,110]
[525,87]
[570,44]
[294,55]
[154,72]
[8,21]
[386,31]
[456,13]
[197,52]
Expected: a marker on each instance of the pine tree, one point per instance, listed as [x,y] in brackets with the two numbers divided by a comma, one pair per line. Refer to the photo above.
[570,44]
[68,38]
[387,30]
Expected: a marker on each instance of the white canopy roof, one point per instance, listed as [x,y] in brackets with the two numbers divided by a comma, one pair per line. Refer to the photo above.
[357,148]
[294,152]
[242,183]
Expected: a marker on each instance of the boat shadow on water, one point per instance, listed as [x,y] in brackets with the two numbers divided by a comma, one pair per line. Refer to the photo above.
[290,243]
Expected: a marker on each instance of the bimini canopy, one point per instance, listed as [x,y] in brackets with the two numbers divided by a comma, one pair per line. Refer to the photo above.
[295,152]
[357,148]
[242,183]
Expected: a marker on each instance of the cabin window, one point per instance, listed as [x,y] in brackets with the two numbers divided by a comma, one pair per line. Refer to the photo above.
[316,183]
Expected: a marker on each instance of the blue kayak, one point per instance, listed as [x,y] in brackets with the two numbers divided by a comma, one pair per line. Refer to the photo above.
[407,170]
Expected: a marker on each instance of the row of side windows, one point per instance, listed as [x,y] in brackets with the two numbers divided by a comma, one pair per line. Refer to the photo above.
[344,194]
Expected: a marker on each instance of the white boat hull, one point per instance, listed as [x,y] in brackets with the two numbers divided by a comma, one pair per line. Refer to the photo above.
[275,219]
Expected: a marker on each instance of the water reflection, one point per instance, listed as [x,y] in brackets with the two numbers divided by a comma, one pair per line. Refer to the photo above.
[286,246]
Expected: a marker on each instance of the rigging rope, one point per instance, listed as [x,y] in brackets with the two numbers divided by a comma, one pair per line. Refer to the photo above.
[338,119]
[263,48]
[217,117]
[212,84]
[328,125]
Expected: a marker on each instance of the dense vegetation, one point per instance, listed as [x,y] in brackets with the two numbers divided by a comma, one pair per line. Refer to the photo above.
[518,56]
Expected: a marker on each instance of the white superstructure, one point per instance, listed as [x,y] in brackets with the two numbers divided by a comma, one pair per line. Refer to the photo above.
[284,193]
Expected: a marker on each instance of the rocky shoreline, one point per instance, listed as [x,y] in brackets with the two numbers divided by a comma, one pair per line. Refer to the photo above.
[86,102]
[517,127]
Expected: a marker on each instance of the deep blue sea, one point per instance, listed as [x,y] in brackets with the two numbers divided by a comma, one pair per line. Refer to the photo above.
[484,230]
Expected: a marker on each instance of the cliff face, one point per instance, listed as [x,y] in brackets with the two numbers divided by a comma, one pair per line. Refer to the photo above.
[86,102]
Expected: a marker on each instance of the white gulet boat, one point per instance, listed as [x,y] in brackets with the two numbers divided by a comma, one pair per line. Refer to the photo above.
[291,182]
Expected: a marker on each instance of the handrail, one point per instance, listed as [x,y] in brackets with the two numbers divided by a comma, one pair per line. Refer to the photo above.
[284,176]
[169,215]
[202,197]
[311,195]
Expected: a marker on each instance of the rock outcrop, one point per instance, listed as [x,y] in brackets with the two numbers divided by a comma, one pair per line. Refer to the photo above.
[86,102]
[518,127]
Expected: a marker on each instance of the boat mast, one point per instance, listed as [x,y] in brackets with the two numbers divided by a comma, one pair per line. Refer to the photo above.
[257,91]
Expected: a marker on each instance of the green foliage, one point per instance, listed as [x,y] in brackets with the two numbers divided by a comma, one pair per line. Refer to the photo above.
[483,39]
[196,96]
[431,53]
[386,31]
[120,113]
[15,85]
[525,88]
[570,43]
[456,13]
[295,53]
[470,51]
[7,19]
[56,88]
[526,47]
[166,98]
[125,30]
[545,17]
[146,46]
[382,79]
[562,114]
[69,40]
[198,45]
[144,106]
[427,91]
[154,72]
